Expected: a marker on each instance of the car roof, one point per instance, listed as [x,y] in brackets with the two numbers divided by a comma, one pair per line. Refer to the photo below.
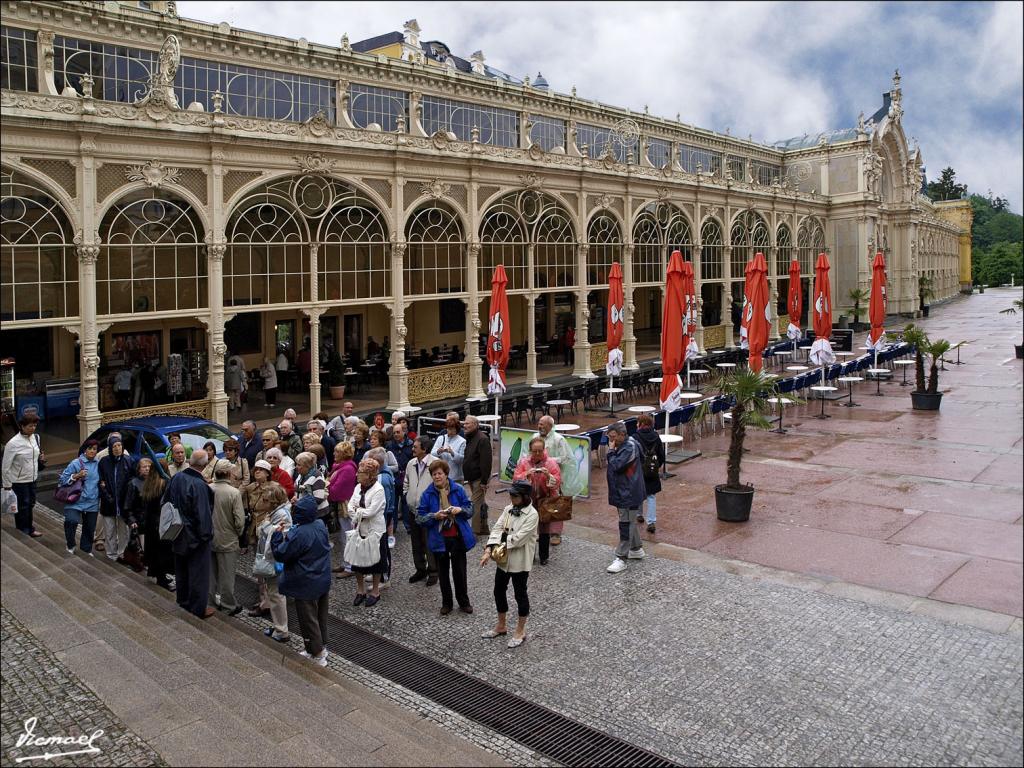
[164,424]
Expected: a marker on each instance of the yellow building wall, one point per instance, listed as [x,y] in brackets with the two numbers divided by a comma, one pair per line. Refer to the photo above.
[394,50]
[960,213]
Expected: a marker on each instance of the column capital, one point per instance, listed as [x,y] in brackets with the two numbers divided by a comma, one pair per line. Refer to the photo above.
[473,249]
[313,313]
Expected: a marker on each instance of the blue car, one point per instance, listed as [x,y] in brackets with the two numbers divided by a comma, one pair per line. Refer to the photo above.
[147,437]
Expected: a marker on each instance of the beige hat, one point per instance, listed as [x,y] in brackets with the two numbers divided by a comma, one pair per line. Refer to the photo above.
[223,465]
[261,464]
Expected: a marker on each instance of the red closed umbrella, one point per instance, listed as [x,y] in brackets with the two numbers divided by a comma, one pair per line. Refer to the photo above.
[745,312]
[821,351]
[616,314]
[795,303]
[498,336]
[878,300]
[672,335]
[760,314]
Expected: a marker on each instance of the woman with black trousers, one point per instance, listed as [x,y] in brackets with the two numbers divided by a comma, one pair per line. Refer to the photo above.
[446,513]
[143,506]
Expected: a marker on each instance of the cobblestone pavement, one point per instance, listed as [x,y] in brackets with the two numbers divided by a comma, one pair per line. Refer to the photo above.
[36,684]
[707,667]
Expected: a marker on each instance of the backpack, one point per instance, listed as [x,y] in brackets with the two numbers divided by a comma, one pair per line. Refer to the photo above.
[170,522]
[651,463]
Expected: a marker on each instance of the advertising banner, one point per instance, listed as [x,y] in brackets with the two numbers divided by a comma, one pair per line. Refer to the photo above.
[515,444]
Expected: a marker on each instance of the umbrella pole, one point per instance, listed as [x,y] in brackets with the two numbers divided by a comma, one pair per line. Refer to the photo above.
[687,374]
[611,385]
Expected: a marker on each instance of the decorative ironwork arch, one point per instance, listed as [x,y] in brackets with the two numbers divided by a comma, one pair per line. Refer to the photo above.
[604,241]
[749,234]
[272,230]
[152,257]
[711,250]
[783,249]
[660,228]
[519,221]
[810,241]
[38,263]
[435,258]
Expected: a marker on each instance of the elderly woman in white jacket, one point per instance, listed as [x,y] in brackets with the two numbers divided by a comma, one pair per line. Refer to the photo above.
[366,511]
[517,528]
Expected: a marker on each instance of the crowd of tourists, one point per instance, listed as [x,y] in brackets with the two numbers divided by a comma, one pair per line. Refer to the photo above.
[326,505]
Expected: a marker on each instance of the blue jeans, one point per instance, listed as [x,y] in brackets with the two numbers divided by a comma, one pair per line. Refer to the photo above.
[26,495]
[72,517]
[652,510]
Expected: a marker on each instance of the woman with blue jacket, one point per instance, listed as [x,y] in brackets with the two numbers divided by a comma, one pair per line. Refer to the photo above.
[87,507]
[305,552]
[446,514]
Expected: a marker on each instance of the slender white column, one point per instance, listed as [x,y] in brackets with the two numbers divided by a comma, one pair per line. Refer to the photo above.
[581,367]
[398,375]
[628,335]
[531,339]
[473,325]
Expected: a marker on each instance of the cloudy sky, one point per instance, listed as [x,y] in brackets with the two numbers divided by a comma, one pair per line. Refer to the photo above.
[763,69]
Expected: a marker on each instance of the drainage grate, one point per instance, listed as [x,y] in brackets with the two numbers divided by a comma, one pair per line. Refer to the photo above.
[553,735]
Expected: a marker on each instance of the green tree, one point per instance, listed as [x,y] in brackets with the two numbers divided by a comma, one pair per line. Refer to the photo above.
[946,187]
[995,265]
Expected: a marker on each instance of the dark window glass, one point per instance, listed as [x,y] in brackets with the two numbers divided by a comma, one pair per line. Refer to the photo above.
[499,127]
[368,104]
[18,60]
[547,132]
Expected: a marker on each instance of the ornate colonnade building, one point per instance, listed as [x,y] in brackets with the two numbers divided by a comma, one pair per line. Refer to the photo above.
[182,187]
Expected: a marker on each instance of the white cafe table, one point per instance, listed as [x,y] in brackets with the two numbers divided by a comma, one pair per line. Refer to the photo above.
[559,405]
[845,354]
[540,385]
[491,420]
[797,368]
[611,392]
[670,442]
[691,396]
[851,380]
[655,379]
[641,409]
[823,389]
[903,364]
[877,373]
[567,427]
[698,372]
[725,365]
[781,402]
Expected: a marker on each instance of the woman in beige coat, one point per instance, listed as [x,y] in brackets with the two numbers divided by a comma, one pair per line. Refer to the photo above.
[517,527]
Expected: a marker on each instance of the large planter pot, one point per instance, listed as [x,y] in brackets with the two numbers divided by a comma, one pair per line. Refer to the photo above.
[1019,348]
[733,504]
[926,401]
[337,392]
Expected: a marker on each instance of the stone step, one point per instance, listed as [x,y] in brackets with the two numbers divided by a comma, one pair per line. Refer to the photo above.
[142,623]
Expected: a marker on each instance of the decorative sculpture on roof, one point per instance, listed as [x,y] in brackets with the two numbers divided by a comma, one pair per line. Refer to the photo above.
[896,95]
[160,100]
[872,172]
[860,124]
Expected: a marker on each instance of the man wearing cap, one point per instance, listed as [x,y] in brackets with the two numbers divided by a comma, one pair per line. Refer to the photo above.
[115,470]
[193,498]
[228,526]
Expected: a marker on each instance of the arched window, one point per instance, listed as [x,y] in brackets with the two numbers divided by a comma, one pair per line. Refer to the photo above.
[710,250]
[783,249]
[604,240]
[267,260]
[271,232]
[810,241]
[152,257]
[659,229]
[514,223]
[749,235]
[435,258]
[38,264]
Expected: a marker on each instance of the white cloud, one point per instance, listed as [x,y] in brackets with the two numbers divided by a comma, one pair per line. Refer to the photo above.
[773,70]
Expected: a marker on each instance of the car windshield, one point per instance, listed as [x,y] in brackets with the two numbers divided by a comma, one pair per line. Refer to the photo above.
[196,437]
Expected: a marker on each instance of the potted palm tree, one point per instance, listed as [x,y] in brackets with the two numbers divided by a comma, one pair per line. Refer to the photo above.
[857,295]
[748,392]
[1018,304]
[335,375]
[925,395]
[925,292]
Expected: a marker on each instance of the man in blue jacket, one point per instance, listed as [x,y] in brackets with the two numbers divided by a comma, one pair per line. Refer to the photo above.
[189,492]
[305,552]
[626,492]
[116,470]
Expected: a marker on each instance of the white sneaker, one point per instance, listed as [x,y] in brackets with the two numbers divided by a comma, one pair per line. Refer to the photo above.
[617,566]
[305,654]
[71,551]
[321,660]
[637,554]
[391,542]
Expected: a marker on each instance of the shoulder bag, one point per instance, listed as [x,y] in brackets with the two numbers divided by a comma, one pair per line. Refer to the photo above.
[499,552]
[362,551]
[555,509]
[69,494]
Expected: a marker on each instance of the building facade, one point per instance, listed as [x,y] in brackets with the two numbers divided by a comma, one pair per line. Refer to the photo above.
[173,187]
